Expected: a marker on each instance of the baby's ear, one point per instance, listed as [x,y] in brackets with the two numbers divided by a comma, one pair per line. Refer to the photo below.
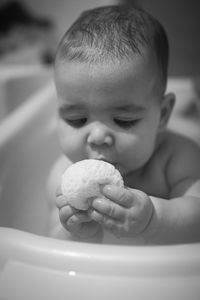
[167,105]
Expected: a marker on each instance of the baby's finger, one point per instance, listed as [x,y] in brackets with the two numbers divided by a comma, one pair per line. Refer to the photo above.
[76,222]
[58,191]
[66,212]
[109,208]
[121,196]
[110,224]
[61,201]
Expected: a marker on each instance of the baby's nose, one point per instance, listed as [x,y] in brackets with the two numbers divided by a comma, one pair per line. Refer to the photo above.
[100,135]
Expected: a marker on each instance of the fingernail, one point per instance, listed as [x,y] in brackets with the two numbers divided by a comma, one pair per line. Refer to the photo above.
[96,202]
[106,188]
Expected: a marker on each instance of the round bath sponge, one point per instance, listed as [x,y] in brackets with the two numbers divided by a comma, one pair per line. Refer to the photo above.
[82,181]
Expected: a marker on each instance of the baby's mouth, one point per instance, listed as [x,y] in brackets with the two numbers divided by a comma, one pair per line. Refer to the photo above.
[103,159]
[108,161]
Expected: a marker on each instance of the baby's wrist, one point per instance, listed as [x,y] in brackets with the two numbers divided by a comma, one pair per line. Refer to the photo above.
[148,229]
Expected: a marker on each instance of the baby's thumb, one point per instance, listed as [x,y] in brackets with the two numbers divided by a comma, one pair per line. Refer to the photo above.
[61,200]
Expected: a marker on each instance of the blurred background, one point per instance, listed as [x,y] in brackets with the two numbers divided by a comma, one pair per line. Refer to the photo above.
[29,34]
[30,30]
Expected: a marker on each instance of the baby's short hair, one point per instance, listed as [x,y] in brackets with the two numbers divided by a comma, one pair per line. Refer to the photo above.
[114,32]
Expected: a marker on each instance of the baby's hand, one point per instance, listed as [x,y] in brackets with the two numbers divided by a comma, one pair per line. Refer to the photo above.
[124,212]
[77,222]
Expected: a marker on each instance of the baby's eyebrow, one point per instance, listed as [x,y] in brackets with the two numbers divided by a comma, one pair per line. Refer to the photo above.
[68,108]
[130,108]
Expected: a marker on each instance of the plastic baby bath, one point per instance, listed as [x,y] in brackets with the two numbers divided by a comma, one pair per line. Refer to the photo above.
[34,266]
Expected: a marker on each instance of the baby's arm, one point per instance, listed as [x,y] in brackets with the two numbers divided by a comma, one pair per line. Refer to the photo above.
[178,220]
[132,213]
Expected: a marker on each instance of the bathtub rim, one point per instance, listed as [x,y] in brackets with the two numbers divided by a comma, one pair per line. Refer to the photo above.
[98,259]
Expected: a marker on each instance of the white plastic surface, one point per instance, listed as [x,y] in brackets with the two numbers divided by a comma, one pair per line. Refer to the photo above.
[33,266]
[18,84]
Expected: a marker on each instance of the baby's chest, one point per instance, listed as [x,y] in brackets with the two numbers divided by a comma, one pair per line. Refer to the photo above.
[152,181]
[155,185]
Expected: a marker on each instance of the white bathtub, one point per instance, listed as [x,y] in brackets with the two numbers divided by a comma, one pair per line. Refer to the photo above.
[19,83]
[33,266]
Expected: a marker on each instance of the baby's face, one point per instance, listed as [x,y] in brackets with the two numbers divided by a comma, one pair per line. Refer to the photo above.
[109,112]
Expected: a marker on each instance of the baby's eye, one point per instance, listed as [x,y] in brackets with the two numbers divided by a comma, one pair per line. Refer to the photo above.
[77,123]
[126,123]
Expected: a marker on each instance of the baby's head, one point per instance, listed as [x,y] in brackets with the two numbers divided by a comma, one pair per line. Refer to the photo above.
[115,33]
[110,75]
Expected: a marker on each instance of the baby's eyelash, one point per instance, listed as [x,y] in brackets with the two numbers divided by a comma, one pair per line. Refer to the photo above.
[80,122]
[77,123]
[126,123]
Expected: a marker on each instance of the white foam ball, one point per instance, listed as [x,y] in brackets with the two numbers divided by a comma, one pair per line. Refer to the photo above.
[82,181]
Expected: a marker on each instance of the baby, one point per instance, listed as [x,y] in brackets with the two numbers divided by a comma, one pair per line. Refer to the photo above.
[110,75]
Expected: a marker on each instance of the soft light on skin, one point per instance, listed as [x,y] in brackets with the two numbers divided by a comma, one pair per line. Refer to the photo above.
[110,111]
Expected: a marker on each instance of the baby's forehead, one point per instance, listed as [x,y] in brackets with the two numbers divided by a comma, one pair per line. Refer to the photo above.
[123,67]
[118,78]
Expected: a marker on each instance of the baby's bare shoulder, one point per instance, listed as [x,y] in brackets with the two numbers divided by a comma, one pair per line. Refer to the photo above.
[177,143]
[173,146]
[183,159]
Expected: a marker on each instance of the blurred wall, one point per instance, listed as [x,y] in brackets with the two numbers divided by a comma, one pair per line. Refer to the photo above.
[64,12]
[181,19]
[33,45]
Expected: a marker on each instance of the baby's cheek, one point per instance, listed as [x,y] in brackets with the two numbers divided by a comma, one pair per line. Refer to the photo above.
[71,144]
[72,151]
